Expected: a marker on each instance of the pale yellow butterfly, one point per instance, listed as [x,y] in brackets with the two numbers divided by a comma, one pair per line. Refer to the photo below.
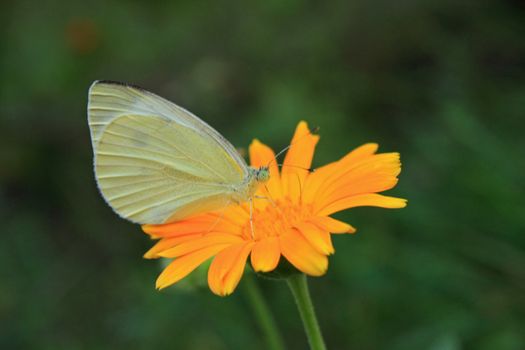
[155,162]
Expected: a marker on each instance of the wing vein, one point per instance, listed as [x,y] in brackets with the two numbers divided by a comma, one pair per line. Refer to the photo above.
[158,204]
[184,153]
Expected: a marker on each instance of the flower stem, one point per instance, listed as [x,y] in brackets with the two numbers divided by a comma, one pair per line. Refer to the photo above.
[262,313]
[299,287]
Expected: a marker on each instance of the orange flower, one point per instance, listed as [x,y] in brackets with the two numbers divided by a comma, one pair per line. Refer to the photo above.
[292,220]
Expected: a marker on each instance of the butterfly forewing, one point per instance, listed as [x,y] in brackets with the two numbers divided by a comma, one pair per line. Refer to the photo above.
[153,165]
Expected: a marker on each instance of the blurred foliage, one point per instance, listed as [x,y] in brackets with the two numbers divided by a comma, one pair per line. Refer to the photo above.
[440,81]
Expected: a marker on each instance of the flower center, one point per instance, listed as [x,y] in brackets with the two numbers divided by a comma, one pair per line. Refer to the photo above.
[275,219]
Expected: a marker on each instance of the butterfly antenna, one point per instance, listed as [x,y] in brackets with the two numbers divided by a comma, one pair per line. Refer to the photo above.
[310,170]
[312,131]
[279,153]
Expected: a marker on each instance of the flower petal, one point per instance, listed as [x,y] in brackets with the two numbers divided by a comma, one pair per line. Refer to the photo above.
[167,243]
[265,254]
[227,267]
[236,216]
[229,219]
[368,200]
[181,267]
[332,225]
[317,237]
[210,239]
[374,174]
[262,155]
[198,224]
[323,174]
[301,254]
[363,151]
[297,161]
[178,228]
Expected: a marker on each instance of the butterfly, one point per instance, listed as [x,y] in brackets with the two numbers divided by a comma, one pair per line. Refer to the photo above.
[156,163]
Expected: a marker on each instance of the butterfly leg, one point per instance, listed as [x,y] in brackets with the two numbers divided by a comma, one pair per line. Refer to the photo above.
[251,217]
[269,198]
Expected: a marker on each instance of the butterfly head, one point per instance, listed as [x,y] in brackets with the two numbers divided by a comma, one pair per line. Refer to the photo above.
[260,174]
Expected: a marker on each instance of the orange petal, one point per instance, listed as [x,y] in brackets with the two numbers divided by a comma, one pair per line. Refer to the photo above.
[181,267]
[332,225]
[323,174]
[363,151]
[301,254]
[226,220]
[226,269]
[265,255]
[367,200]
[375,174]
[190,246]
[262,155]
[318,238]
[167,243]
[297,161]
[235,216]
[194,225]
[318,178]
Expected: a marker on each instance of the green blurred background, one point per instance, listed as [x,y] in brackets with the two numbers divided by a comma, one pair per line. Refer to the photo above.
[442,82]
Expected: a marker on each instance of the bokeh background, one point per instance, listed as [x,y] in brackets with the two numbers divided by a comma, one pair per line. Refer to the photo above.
[442,82]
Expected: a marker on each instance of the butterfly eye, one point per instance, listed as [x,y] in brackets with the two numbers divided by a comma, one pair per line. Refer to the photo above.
[263,174]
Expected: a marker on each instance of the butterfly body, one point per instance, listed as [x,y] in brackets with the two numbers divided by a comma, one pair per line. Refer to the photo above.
[246,190]
[156,162]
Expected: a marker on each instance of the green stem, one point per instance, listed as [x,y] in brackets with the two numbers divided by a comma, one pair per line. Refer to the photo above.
[262,313]
[299,287]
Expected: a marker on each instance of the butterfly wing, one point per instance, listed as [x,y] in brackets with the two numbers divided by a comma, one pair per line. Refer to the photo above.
[154,161]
